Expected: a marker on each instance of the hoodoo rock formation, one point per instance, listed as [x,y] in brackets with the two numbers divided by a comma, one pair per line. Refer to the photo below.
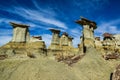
[66,41]
[20,32]
[61,45]
[22,44]
[98,43]
[88,33]
[55,40]
[90,56]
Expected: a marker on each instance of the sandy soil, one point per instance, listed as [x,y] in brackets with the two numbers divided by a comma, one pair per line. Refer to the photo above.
[91,67]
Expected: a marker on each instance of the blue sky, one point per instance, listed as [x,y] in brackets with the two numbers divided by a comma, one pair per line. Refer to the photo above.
[60,14]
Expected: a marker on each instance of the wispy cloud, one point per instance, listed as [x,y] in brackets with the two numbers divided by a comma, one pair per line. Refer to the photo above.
[5,32]
[49,11]
[111,27]
[36,15]
[4,39]
[47,17]
[76,33]
[47,38]
[31,15]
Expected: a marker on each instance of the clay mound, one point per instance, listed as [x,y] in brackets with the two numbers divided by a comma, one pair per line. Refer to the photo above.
[91,67]
[35,69]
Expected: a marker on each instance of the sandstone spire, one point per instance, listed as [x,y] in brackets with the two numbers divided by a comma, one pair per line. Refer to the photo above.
[88,31]
[87,34]
[64,39]
[20,32]
[55,39]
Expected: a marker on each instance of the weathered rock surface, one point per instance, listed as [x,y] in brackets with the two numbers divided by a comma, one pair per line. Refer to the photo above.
[60,43]
[33,48]
[88,31]
[116,74]
[20,32]
[18,65]
[55,40]
[91,67]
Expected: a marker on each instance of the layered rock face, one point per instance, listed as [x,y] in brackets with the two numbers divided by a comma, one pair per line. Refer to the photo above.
[88,33]
[58,42]
[117,40]
[111,43]
[116,74]
[98,43]
[108,39]
[66,41]
[20,32]
[61,45]
[22,44]
[55,40]
[35,38]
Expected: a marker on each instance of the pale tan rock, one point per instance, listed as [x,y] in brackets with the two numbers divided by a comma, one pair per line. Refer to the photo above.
[55,36]
[35,39]
[98,43]
[64,39]
[87,39]
[117,39]
[22,44]
[55,40]
[116,74]
[66,42]
[20,32]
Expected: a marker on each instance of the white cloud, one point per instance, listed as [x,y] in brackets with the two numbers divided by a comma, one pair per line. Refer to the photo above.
[5,32]
[48,10]
[4,39]
[47,38]
[76,33]
[36,15]
[110,27]
[76,41]
[6,21]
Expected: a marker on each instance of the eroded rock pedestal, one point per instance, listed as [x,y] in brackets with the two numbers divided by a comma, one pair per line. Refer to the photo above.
[55,40]
[88,33]
[66,42]
[20,32]
[61,45]
[21,44]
